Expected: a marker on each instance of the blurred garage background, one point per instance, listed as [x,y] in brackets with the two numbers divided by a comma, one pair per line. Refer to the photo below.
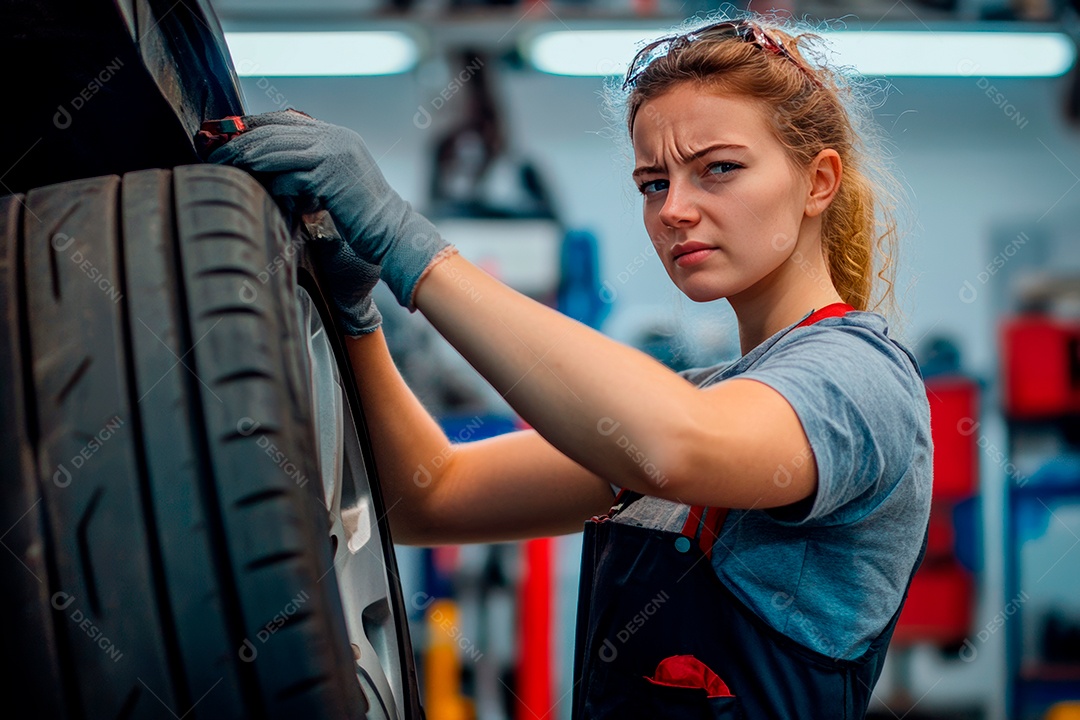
[490,117]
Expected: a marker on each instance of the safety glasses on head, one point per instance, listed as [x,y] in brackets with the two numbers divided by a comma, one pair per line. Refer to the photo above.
[742,29]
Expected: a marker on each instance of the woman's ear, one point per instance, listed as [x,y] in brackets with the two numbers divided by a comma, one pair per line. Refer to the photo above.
[825,173]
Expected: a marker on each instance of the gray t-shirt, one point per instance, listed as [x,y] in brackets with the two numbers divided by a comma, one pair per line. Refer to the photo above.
[829,572]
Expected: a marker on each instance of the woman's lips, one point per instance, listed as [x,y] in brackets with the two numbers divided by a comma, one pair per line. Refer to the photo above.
[693,257]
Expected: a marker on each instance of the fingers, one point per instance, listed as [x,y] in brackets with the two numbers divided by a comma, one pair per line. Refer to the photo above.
[338,258]
[295,184]
[289,116]
[267,149]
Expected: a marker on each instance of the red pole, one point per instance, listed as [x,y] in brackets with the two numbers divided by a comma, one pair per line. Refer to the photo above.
[534,682]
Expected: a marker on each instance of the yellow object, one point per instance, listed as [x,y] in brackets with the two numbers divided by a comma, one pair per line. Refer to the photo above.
[1063,711]
[442,665]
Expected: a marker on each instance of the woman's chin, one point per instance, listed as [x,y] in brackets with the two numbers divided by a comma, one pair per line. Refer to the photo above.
[703,285]
[700,294]
[707,287]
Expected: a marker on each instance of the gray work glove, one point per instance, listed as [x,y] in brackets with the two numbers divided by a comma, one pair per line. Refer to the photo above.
[316,165]
[344,276]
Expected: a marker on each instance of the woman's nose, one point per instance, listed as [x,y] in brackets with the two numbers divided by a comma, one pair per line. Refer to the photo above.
[679,209]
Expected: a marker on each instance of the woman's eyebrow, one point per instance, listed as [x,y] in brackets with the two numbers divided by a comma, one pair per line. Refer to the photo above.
[696,155]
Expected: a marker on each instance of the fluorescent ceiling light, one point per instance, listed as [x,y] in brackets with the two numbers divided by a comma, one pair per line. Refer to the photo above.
[311,54]
[952,54]
[892,53]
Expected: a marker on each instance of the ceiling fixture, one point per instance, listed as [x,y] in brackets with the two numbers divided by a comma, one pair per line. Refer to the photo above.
[321,54]
[923,53]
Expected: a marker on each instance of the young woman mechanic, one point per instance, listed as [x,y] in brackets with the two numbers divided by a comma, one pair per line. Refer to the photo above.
[772,510]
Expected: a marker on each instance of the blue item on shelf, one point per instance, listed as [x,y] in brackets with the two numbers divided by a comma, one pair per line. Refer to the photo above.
[468,428]
[579,294]
[1058,476]
[967,543]
[1060,471]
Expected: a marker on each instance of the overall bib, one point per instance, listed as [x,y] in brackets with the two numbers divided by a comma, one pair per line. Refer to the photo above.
[660,636]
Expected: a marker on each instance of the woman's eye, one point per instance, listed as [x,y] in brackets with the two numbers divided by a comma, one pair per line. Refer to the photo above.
[723,167]
[652,186]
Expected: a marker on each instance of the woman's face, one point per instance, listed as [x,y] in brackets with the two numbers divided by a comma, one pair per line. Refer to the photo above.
[722,203]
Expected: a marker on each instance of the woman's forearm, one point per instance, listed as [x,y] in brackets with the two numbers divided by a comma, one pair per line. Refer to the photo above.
[409,447]
[502,488]
[611,408]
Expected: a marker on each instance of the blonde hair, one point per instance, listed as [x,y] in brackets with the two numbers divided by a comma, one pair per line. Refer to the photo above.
[812,108]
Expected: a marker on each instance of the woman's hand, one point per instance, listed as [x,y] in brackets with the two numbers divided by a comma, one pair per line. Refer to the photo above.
[347,279]
[316,165]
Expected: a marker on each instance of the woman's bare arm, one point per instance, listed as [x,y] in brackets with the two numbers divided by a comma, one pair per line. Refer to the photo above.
[509,487]
[614,409]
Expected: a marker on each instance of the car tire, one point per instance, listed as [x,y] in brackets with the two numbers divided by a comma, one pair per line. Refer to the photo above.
[169,548]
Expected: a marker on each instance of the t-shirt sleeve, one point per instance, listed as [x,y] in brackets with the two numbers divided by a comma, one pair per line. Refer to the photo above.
[857,395]
[693,375]
[701,375]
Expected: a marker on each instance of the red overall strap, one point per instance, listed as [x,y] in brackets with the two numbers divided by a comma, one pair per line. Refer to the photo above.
[690,527]
[714,517]
[711,532]
[834,310]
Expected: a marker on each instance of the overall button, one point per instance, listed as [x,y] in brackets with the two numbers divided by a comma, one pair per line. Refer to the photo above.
[682,544]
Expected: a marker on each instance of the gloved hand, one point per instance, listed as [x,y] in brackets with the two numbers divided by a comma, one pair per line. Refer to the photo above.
[328,167]
[344,276]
